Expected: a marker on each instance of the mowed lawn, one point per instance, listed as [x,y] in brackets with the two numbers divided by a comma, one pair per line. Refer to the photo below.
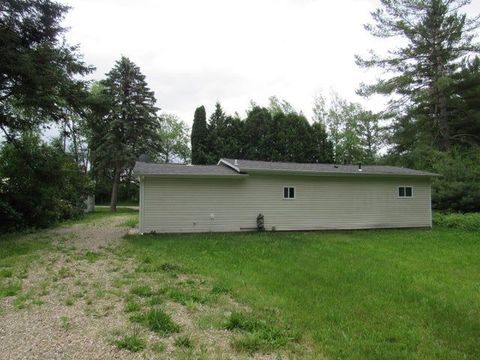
[379,294]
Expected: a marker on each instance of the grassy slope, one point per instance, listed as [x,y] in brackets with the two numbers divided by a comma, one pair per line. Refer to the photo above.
[357,294]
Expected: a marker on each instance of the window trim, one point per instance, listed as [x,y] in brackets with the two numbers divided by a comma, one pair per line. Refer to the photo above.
[405,192]
[294,192]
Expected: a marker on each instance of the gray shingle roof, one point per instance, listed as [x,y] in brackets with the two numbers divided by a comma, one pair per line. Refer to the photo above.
[142,168]
[265,166]
[230,167]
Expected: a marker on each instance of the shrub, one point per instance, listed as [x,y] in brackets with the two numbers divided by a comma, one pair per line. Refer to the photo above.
[39,184]
[470,221]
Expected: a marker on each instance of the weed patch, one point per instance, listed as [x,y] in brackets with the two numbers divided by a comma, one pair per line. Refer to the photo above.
[158,347]
[184,297]
[132,306]
[183,342]
[65,323]
[10,289]
[142,291]
[157,320]
[6,273]
[133,343]
[257,335]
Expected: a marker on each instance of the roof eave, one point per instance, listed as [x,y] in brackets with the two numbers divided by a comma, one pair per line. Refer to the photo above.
[193,175]
[339,173]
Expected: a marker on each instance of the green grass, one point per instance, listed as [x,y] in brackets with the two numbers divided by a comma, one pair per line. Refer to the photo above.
[377,294]
[132,306]
[102,212]
[142,291]
[183,342]
[133,343]
[10,289]
[257,334]
[157,320]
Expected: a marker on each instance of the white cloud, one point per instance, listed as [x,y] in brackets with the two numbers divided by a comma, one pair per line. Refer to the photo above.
[197,52]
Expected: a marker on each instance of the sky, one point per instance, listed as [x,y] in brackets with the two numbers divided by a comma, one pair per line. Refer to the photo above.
[198,52]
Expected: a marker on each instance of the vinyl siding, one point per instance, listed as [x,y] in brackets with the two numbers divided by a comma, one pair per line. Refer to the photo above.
[186,204]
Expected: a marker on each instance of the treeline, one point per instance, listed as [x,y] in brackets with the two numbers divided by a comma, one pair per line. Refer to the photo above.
[343,132]
[104,125]
[431,122]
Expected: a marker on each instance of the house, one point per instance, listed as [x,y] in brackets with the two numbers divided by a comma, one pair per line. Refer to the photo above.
[291,196]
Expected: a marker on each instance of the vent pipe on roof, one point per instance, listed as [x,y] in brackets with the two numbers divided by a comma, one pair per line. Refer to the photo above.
[360,167]
[235,162]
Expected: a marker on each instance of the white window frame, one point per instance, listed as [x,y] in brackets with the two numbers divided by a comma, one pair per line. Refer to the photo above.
[405,192]
[294,192]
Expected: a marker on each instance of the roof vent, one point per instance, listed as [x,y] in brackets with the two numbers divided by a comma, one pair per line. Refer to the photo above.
[360,167]
[235,162]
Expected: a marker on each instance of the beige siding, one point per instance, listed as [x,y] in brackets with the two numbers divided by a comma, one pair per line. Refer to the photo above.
[186,204]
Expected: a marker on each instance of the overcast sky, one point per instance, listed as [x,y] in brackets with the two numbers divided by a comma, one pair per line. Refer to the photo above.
[197,52]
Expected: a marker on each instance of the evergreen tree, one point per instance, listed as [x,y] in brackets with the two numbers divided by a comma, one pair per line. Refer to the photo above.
[129,127]
[38,70]
[217,134]
[200,138]
[436,37]
[258,134]
[464,104]
[323,146]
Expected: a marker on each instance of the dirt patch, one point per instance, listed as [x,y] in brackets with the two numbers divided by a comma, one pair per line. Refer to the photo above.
[94,235]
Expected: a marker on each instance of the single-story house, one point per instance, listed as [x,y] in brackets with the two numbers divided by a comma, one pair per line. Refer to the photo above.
[291,196]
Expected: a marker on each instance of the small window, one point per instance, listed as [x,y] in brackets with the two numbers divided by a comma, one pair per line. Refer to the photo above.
[408,191]
[405,191]
[289,192]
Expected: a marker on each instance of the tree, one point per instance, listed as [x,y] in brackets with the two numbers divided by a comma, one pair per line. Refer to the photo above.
[291,138]
[371,134]
[324,151]
[464,104]
[258,134]
[436,38]
[128,126]
[175,139]
[277,106]
[39,184]
[38,70]
[355,133]
[217,134]
[199,137]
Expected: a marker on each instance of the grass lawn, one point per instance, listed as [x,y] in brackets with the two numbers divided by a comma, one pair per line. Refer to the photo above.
[380,294]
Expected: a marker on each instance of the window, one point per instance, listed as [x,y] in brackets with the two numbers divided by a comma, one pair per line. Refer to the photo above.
[405,191]
[289,192]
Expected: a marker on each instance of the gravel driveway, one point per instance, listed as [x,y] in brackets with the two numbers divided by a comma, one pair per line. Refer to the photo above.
[73,296]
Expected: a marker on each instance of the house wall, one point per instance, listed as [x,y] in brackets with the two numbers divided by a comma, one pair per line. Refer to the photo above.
[186,204]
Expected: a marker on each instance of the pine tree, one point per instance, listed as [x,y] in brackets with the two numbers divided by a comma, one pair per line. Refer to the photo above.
[217,134]
[199,137]
[38,70]
[436,37]
[129,126]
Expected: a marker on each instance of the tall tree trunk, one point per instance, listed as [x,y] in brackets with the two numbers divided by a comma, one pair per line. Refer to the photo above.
[116,183]
[443,126]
